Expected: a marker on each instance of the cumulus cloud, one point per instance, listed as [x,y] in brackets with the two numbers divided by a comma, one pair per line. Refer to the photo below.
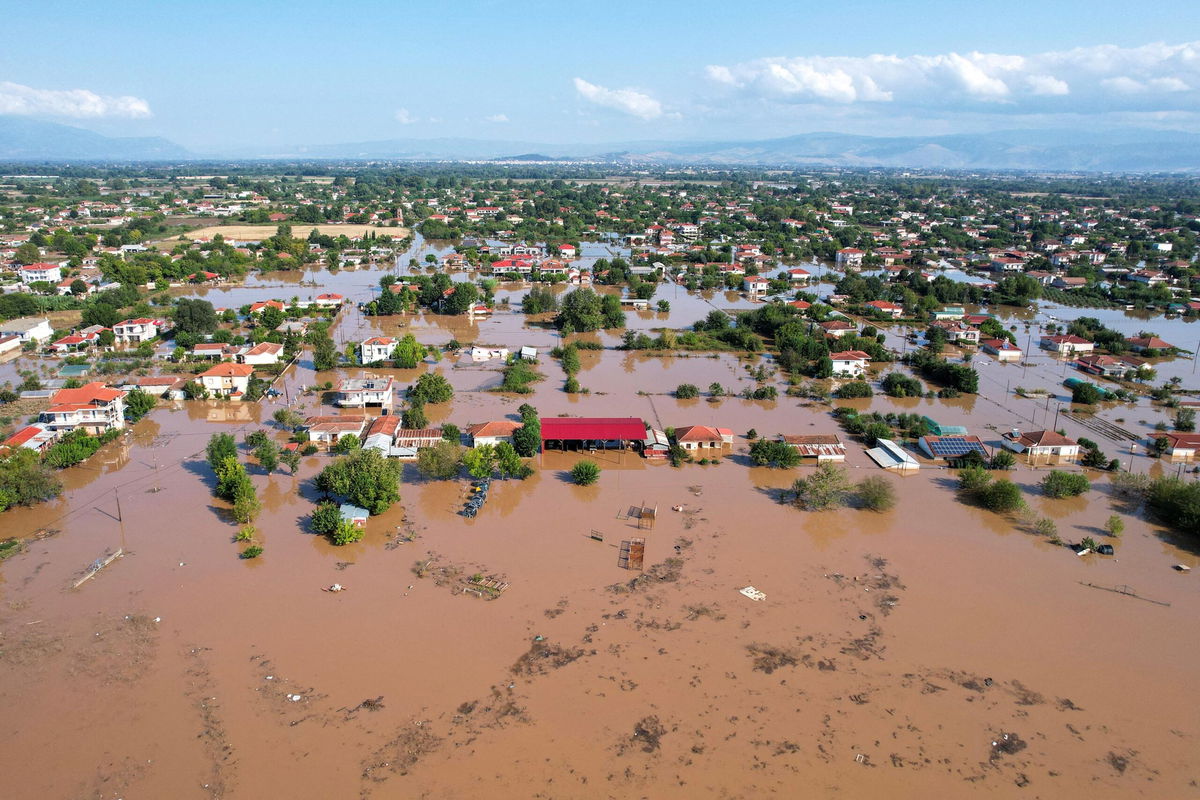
[1102,78]
[497,118]
[78,103]
[403,116]
[628,101]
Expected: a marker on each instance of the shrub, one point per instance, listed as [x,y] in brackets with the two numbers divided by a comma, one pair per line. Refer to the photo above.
[1086,394]
[345,533]
[346,444]
[325,518]
[246,534]
[1002,496]
[897,384]
[764,453]
[585,473]
[686,391]
[876,493]
[1114,526]
[1065,484]
[253,551]
[1003,459]
[432,387]
[440,461]
[853,389]
[365,478]
[1048,528]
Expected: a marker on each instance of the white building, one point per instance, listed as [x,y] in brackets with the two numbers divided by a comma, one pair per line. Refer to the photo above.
[850,363]
[229,380]
[378,348]
[95,407]
[136,331]
[373,390]
[27,329]
[39,272]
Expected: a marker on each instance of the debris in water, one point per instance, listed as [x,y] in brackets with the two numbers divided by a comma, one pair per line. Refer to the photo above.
[753,594]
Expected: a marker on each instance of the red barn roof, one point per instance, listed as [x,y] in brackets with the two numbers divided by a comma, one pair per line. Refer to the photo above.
[602,428]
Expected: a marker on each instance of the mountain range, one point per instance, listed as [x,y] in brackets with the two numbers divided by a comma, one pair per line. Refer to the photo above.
[1101,150]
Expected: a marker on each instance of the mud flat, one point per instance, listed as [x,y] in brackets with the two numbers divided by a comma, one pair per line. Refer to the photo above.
[933,650]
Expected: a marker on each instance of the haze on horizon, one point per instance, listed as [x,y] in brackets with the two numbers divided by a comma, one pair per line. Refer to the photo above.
[224,76]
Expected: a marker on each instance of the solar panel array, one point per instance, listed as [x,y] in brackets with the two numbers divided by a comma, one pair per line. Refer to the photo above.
[955,446]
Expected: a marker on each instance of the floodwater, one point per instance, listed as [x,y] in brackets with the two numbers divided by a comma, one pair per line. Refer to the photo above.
[893,655]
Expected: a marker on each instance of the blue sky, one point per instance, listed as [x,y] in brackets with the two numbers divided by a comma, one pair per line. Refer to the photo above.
[219,75]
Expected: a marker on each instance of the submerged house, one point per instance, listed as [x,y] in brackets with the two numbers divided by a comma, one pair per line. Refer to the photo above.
[824,447]
[1042,447]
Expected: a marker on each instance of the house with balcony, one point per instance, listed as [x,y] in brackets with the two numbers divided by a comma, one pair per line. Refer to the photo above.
[850,363]
[376,349]
[136,331]
[227,380]
[33,273]
[371,390]
[94,407]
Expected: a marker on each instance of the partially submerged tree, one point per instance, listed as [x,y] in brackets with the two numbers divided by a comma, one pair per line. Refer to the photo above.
[828,487]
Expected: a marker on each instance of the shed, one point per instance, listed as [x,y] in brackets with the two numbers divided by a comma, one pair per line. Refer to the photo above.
[592,431]
[352,513]
[890,455]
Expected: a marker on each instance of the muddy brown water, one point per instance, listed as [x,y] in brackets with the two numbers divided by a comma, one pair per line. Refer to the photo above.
[893,654]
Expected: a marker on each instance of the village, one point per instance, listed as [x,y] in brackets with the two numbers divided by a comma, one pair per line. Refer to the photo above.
[582,396]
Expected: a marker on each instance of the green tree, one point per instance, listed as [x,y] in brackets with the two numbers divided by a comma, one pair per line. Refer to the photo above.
[365,478]
[464,295]
[585,472]
[973,479]
[267,454]
[440,461]
[897,384]
[686,391]
[1114,526]
[408,353]
[325,355]
[451,432]
[431,387]
[527,439]
[1064,484]
[414,417]
[1002,459]
[195,316]
[291,459]
[138,404]
[346,444]
[828,487]
[853,389]
[28,253]
[1185,420]
[1086,394]
[1002,496]
[480,461]
[221,446]
[509,463]
[24,480]
[764,452]
[325,518]
[345,533]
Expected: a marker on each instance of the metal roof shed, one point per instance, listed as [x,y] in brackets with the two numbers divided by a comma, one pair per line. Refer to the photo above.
[602,429]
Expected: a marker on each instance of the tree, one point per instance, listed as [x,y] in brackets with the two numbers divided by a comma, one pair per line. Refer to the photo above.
[408,353]
[24,480]
[325,518]
[346,444]
[432,387]
[585,310]
[232,479]
[876,493]
[325,354]
[414,417]
[853,389]
[271,318]
[775,454]
[509,463]
[686,391]
[897,384]
[287,419]
[138,404]
[267,454]
[451,432]
[440,461]
[195,317]
[973,480]
[291,459]
[221,446]
[246,506]
[102,314]
[528,438]
[28,253]
[1064,484]
[1086,394]
[715,389]
[345,532]
[1114,526]
[585,473]
[78,287]
[365,478]
[480,461]
[826,488]
[1185,420]
[463,296]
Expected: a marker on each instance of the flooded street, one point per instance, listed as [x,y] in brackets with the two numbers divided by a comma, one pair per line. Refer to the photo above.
[933,650]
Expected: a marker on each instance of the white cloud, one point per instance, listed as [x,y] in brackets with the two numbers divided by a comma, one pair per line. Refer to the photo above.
[403,117]
[497,118]
[629,101]
[79,103]
[1097,78]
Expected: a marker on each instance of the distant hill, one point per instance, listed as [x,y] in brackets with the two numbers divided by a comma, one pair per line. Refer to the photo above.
[23,139]
[1097,150]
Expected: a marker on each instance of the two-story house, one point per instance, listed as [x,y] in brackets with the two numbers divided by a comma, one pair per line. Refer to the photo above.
[136,331]
[227,379]
[375,349]
[94,407]
[373,390]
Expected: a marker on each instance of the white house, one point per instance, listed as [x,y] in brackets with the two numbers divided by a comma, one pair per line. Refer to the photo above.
[850,257]
[377,348]
[261,354]
[850,363]
[1067,345]
[1044,447]
[492,432]
[28,329]
[32,273]
[328,429]
[94,407]
[136,331]
[373,390]
[227,379]
[1002,349]
[755,285]
[329,300]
